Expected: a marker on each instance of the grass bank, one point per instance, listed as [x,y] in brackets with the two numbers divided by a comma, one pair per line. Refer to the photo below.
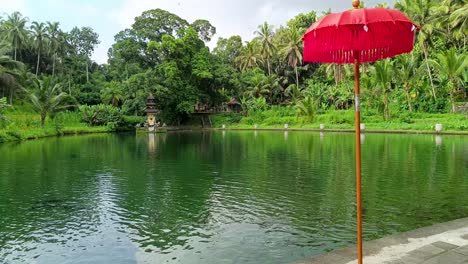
[22,124]
[276,117]
[26,125]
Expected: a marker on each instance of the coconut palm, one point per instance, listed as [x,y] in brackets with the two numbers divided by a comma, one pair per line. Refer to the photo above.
[47,97]
[338,71]
[9,74]
[274,85]
[112,94]
[451,65]
[39,35]
[407,73]
[458,21]
[257,87]
[451,27]
[249,57]
[292,49]
[54,34]
[265,32]
[422,13]
[383,76]
[15,31]
[294,92]
[305,107]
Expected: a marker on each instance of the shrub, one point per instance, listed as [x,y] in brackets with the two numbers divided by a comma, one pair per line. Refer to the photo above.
[134,120]
[3,106]
[406,117]
[225,119]
[101,115]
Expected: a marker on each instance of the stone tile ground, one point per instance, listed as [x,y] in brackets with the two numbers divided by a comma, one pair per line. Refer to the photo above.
[445,243]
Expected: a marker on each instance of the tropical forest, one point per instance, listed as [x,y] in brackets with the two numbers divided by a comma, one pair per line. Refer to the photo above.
[49,84]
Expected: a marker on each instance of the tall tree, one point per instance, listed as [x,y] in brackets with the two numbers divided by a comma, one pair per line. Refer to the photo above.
[9,75]
[303,21]
[39,35]
[227,49]
[16,33]
[407,72]
[451,65]
[421,12]
[383,72]
[265,33]
[292,49]
[458,20]
[84,40]
[248,58]
[54,34]
[204,29]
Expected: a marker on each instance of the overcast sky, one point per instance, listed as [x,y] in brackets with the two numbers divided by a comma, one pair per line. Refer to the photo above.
[108,17]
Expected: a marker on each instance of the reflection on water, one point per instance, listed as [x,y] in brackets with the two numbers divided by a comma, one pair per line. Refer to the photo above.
[221,197]
[438,140]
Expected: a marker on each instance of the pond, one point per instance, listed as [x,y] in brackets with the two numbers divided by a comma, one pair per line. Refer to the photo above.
[219,197]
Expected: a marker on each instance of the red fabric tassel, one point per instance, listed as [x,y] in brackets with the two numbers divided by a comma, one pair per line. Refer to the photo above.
[376,33]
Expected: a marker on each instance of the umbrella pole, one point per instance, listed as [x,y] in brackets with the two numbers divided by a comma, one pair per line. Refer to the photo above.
[358,156]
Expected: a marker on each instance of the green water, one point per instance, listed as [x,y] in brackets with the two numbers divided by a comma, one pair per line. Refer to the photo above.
[221,197]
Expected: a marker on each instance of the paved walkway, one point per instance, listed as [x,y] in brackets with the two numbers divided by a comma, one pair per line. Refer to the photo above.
[445,243]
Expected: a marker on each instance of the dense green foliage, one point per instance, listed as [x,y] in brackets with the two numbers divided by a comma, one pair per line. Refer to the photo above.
[163,54]
[101,115]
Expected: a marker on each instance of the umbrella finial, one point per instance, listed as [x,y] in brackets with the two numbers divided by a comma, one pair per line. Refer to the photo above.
[356,4]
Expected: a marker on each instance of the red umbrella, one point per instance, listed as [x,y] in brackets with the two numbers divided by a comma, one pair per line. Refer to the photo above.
[355,36]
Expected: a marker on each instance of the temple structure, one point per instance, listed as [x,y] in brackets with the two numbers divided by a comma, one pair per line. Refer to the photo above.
[151,112]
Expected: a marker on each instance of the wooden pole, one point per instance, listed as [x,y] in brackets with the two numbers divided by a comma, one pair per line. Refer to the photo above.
[357,103]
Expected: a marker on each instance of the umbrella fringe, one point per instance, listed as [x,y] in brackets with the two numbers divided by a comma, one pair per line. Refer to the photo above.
[376,42]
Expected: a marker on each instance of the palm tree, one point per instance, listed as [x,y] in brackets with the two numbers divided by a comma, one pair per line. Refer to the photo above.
[47,97]
[15,31]
[422,13]
[265,32]
[451,65]
[294,92]
[383,77]
[407,73]
[338,71]
[305,107]
[112,94]
[257,88]
[272,83]
[8,74]
[248,58]
[292,49]
[458,21]
[39,35]
[54,39]
[451,27]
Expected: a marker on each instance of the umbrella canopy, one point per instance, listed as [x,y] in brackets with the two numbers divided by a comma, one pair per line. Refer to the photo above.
[355,36]
[377,33]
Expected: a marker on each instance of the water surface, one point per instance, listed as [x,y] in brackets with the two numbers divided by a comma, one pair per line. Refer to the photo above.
[220,197]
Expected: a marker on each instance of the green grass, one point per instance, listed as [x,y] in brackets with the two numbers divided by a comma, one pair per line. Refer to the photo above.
[22,124]
[276,117]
